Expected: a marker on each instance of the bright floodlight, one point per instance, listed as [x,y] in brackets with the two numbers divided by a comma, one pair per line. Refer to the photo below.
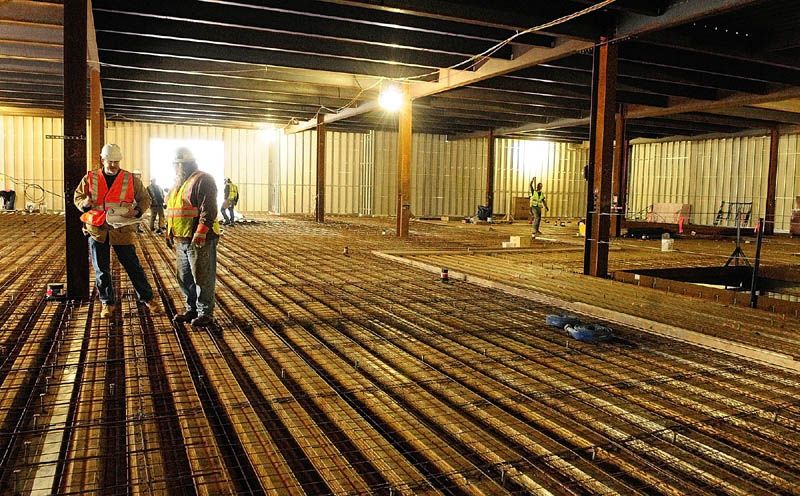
[391,98]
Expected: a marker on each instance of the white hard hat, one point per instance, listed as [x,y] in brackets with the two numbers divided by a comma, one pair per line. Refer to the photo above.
[182,155]
[137,172]
[111,152]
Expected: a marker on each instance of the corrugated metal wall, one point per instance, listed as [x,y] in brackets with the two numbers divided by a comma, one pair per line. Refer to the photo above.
[30,162]
[703,173]
[788,186]
[246,155]
[559,166]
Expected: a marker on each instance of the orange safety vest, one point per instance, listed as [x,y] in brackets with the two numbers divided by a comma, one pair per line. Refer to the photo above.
[181,212]
[103,198]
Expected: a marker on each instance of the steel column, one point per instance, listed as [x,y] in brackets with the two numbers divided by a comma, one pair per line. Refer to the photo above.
[320,215]
[602,151]
[75,144]
[490,171]
[404,167]
[97,118]
[772,182]
[619,184]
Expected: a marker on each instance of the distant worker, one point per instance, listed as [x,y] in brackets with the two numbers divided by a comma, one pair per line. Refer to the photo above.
[537,200]
[231,199]
[156,205]
[193,231]
[100,192]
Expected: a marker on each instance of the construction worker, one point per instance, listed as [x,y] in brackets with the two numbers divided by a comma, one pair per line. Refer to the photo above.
[231,199]
[537,201]
[113,191]
[156,205]
[193,231]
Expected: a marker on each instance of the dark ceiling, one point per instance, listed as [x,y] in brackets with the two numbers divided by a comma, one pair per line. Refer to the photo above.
[687,67]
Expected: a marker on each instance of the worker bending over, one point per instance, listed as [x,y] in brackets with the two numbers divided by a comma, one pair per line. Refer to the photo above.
[537,201]
[231,199]
[193,231]
[114,190]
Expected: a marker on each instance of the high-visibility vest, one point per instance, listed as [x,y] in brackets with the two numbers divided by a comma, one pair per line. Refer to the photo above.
[233,192]
[105,198]
[536,198]
[180,211]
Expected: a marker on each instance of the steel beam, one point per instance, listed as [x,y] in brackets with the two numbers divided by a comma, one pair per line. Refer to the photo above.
[677,13]
[490,171]
[772,182]
[320,198]
[602,151]
[404,166]
[75,97]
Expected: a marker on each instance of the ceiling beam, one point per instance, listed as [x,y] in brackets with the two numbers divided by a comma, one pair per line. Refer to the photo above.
[515,21]
[760,113]
[676,13]
[638,112]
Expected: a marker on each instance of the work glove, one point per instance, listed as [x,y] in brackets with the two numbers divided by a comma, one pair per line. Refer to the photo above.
[199,238]
[170,242]
[547,209]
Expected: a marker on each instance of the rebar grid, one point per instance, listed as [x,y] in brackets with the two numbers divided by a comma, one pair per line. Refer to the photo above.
[353,375]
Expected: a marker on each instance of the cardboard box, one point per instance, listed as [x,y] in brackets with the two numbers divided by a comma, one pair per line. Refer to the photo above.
[521,208]
[520,241]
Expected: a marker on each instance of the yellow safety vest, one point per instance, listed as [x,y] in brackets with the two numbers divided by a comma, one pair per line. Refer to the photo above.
[536,198]
[233,192]
[180,211]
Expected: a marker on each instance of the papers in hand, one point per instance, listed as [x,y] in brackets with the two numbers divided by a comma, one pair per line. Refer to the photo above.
[115,219]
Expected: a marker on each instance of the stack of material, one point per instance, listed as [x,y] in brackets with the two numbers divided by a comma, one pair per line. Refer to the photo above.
[669,212]
[517,242]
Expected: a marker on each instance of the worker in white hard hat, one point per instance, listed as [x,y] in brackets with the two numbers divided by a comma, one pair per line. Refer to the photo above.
[193,231]
[113,192]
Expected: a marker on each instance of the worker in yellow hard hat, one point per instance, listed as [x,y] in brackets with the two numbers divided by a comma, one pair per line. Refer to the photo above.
[114,196]
[231,199]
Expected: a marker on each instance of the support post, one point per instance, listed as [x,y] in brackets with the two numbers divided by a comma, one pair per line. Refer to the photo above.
[97,119]
[490,172]
[772,183]
[404,167]
[77,255]
[601,148]
[320,203]
[756,262]
[620,183]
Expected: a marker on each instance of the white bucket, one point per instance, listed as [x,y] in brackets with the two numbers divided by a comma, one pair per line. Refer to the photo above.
[666,244]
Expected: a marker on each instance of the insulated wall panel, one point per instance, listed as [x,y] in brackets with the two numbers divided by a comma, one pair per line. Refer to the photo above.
[703,173]
[788,187]
[558,166]
[31,163]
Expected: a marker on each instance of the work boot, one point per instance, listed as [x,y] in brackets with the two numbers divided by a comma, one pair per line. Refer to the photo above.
[107,311]
[155,306]
[184,317]
[203,321]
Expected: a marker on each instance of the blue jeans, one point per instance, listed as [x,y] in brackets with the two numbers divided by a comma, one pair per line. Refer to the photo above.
[536,212]
[101,260]
[197,275]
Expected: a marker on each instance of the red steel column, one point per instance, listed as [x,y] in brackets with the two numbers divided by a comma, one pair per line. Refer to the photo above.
[77,253]
[619,184]
[602,150]
[320,216]
[772,182]
[97,122]
[404,167]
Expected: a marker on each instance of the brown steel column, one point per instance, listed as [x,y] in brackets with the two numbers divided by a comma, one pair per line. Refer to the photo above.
[490,172]
[772,182]
[404,167]
[602,150]
[321,168]
[97,119]
[618,183]
[77,255]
